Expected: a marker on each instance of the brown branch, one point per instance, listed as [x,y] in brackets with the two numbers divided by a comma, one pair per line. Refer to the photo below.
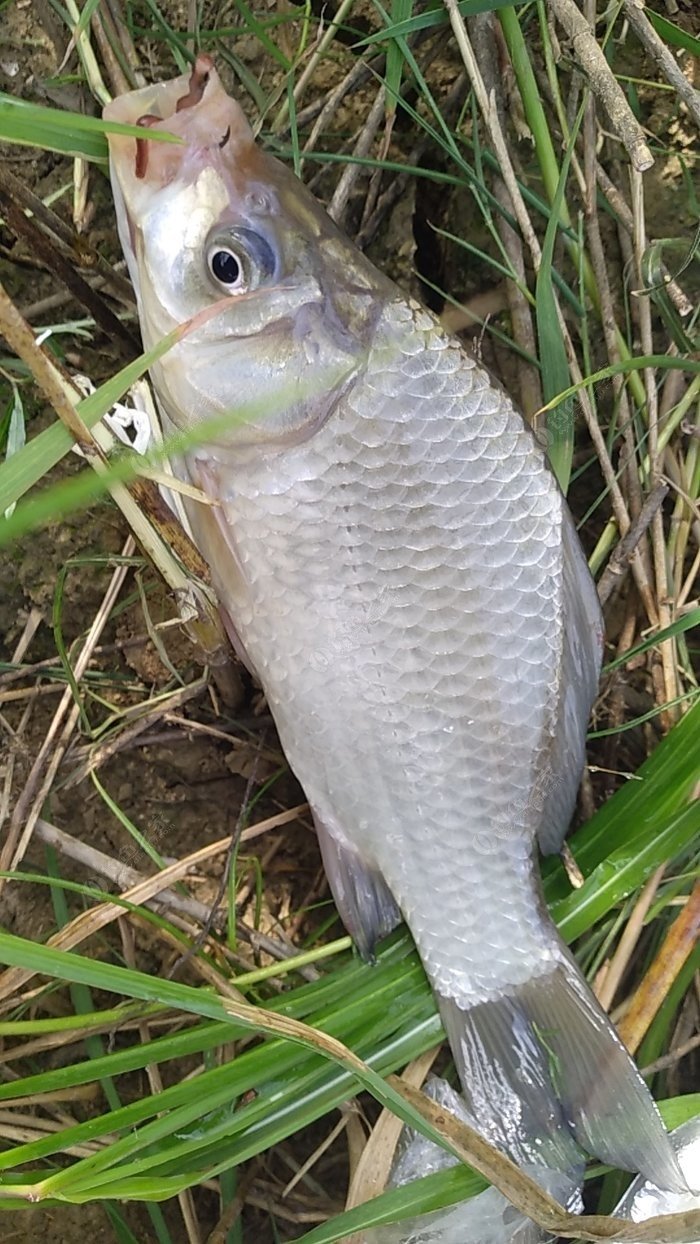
[52,257]
[85,254]
[622,555]
[603,82]
[656,48]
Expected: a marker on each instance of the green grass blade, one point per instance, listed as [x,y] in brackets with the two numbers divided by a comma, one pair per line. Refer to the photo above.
[688,622]
[400,13]
[68,133]
[434,15]
[29,465]
[673,34]
[552,350]
[623,871]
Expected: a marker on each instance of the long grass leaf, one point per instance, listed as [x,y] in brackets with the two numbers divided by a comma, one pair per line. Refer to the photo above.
[552,350]
[43,452]
[673,34]
[434,15]
[69,133]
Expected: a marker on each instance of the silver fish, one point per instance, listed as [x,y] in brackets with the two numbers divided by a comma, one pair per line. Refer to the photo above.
[398,566]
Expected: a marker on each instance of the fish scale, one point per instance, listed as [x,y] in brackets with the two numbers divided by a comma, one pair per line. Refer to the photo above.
[396,563]
[424,602]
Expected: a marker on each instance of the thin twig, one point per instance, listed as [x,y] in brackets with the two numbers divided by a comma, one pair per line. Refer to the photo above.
[234,842]
[626,945]
[338,204]
[603,82]
[489,109]
[101,28]
[600,268]
[324,42]
[620,560]
[28,807]
[360,71]
[669,690]
[660,54]
[102,752]
[82,250]
[159,533]
[674,1056]
[52,258]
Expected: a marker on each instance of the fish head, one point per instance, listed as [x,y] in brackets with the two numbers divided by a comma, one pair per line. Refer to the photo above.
[217,234]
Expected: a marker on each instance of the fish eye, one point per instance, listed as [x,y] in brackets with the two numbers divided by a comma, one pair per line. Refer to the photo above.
[226,268]
[239,260]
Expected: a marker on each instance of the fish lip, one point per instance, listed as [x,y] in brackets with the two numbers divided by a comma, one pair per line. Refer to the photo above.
[164,100]
[195,108]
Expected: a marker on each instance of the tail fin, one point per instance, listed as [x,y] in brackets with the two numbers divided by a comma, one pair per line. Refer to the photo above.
[543,1068]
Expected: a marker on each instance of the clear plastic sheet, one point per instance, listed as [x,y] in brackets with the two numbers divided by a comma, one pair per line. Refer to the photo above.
[488,1218]
[644,1199]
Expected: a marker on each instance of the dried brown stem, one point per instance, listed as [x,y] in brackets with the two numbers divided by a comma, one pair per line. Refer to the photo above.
[353,170]
[482,30]
[104,32]
[669,689]
[603,83]
[118,22]
[360,71]
[674,1056]
[620,559]
[45,767]
[660,54]
[84,253]
[600,268]
[398,184]
[489,109]
[100,754]
[678,944]
[52,258]
[138,890]
[625,948]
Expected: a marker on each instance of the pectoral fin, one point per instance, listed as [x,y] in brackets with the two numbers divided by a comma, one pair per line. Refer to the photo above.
[214,537]
[365,903]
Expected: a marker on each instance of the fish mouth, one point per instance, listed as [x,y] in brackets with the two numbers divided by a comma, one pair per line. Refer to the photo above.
[160,101]
[195,108]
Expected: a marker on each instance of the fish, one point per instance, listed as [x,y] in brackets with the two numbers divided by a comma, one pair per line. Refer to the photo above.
[396,564]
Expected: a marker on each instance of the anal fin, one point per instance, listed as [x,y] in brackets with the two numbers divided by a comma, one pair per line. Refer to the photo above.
[365,903]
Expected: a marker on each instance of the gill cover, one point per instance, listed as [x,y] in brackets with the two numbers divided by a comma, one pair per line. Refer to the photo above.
[219,233]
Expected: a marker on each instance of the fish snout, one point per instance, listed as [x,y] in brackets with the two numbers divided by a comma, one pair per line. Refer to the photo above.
[194,108]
